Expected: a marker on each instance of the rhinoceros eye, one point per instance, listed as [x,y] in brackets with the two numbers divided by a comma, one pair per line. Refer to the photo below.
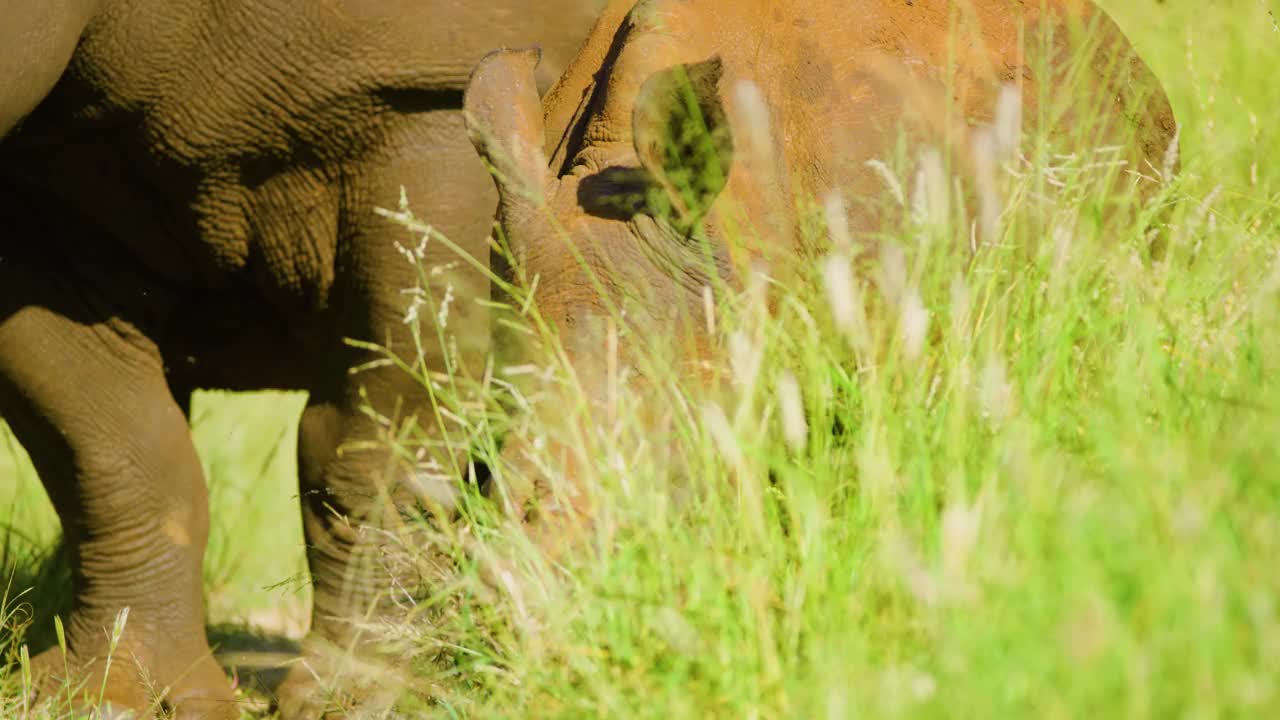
[616,193]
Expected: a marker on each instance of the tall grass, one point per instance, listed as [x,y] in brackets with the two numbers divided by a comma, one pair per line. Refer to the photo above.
[1041,480]
[1038,480]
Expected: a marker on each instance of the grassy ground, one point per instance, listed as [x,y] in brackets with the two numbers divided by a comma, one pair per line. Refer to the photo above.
[1066,503]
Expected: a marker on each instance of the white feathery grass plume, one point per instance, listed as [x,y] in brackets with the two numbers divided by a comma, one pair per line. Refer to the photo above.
[761,167]
[845,298]
[442,317]
[992,146]
[438,270]
[984,147]
[418,301]
[890,181]
[900,554]
[914,325]
[113,641]
[923,686]
[745,358]
[726,441]
[676,631]
[1008,121]
[758,296]
[837,218]
[836,702]
[746,344]
[931,200]
[892,273]
[1203,216]
[417,254]
[905,685]
[843,294]
[758,136]
[795,429]
[961,524]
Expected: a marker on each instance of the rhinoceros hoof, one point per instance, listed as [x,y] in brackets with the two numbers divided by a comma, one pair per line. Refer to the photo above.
[139,685]
[327,684]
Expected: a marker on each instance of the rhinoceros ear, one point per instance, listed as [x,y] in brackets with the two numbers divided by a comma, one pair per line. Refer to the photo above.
[682,137]
[503,115]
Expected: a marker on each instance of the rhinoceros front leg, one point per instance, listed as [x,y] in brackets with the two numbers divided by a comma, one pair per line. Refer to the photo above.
[83,388]
[353,489]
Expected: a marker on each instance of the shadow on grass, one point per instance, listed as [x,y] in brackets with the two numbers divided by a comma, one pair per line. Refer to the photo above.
[35,587]
[256,660]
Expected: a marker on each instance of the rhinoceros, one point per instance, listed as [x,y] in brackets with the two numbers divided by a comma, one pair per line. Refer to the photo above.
[187,200]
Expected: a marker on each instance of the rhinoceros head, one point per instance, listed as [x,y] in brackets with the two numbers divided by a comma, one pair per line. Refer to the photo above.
[622,228]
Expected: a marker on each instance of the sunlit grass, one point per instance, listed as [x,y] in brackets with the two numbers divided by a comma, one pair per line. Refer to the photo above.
[1041,482]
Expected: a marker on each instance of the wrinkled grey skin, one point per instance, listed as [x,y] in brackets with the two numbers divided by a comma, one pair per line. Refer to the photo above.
[187,190]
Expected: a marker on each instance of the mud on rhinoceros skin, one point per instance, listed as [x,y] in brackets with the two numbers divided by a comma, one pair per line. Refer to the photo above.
[188,191]
[788,102]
